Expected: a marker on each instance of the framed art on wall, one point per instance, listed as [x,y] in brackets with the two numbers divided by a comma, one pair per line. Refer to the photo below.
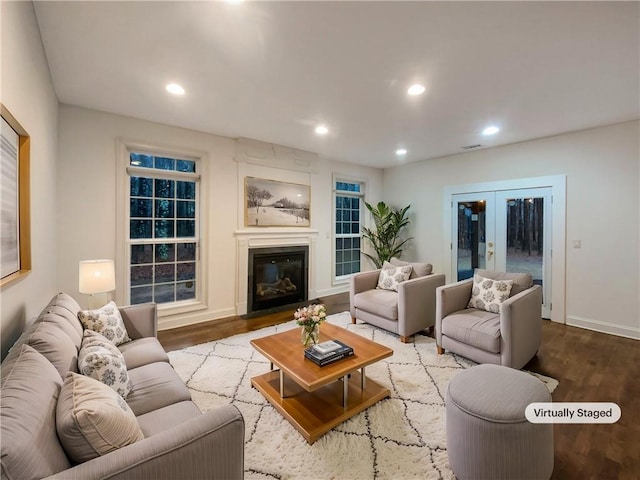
[271,203]
[15,240]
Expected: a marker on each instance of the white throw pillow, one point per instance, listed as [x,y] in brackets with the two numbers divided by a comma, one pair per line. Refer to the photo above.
[107,321]
[488,294]
[92,419]
[391,276]
[100,359]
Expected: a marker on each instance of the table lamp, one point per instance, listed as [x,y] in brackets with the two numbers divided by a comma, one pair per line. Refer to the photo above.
[97,278]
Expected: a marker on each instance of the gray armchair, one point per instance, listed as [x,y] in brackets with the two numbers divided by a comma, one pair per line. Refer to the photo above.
[510,338]
[409,310]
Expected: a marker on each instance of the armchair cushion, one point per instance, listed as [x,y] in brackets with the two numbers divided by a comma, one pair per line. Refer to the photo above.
[391,276]
[383,303]
[417,269]
[488,294]
[478,328]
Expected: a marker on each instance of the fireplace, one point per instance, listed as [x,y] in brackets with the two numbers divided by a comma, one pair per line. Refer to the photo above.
[277,277]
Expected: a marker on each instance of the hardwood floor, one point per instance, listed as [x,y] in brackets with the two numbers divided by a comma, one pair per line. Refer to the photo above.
[590,366]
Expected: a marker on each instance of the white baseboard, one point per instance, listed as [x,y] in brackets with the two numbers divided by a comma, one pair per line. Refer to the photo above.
[604,327]
[191,319]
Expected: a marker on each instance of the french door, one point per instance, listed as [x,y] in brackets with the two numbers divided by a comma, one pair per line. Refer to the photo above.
[504,230]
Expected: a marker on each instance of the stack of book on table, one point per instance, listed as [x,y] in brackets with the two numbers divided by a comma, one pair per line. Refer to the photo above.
[328,352]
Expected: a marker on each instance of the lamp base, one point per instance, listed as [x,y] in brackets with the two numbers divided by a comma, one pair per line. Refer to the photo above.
[97,300]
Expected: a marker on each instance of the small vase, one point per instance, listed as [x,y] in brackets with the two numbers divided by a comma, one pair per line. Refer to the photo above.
[310,335]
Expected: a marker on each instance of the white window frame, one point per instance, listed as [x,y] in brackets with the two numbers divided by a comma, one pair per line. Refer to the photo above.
[123,243]
[342,279]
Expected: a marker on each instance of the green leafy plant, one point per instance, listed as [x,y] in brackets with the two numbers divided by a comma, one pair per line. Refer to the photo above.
[385,238]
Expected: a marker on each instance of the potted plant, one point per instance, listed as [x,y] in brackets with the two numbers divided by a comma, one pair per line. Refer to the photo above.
[385,238]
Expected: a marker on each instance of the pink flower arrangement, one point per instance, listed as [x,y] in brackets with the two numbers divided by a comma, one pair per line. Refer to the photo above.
[310,316]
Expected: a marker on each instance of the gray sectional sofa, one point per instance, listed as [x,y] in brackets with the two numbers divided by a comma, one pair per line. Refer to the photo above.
[179,442]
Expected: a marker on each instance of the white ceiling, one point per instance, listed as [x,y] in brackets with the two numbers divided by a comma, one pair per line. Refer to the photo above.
[271,71]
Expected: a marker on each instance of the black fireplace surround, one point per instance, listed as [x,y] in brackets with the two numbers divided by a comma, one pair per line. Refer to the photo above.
[277,277]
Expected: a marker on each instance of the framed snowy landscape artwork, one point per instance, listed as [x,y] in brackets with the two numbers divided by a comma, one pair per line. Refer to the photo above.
[270,203]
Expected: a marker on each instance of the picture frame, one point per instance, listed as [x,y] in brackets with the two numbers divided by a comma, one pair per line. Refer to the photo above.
[15,214]
[272,203]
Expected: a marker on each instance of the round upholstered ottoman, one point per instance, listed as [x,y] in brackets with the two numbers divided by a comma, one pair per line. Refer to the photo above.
[488,436]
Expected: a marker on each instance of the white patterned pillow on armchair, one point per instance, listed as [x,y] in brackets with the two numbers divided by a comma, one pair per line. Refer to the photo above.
[391,276]
[488,294]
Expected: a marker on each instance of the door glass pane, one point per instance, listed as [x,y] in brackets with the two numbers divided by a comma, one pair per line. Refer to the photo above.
[471,237]
[525,234]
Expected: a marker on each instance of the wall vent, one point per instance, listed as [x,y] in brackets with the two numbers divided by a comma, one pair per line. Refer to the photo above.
[469,147]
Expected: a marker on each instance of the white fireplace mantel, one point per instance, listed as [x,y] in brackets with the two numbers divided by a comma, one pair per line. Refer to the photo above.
[265,238]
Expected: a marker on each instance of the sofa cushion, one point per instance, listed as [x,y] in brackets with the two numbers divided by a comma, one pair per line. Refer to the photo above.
[106,321]
[67,307]
[30,387]
[54,344]
[521,281]
[391,276]
[101,360]
[167,417]
[155,386]
[417,269]
[59,317]
[474,327]
[383,303]
[92,419]
[143,351]
[488,294]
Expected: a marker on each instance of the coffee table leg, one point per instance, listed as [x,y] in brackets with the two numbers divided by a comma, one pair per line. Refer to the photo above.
[363,379]
[345,391]
[281,384]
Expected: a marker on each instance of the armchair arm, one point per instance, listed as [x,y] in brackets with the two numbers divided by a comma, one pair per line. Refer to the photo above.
[140,320]
[417,303]
[361,282]
[521,327]
[451,298]
[209,446]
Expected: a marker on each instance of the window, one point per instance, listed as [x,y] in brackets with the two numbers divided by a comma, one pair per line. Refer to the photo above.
[348,197]
[163,229]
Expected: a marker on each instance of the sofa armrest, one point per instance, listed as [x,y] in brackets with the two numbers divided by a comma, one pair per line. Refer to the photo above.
[361,282]
[209,446]
[521,327]
[140,320]
[451,298]
[417,303]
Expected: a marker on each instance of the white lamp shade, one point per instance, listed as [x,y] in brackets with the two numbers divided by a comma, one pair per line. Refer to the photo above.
[97,276]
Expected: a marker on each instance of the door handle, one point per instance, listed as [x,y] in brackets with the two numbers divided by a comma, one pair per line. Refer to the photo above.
[489,253]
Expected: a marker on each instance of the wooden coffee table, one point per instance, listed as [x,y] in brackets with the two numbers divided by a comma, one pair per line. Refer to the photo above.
[315,399]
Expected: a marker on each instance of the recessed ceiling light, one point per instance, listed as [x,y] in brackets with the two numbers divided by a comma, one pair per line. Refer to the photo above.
[175,89]
[401,151]
[322,130]
[492,130]
[416,89]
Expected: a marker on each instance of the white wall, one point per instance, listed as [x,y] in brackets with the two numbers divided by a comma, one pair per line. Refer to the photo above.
[603,206]
[27,92]
[87,200]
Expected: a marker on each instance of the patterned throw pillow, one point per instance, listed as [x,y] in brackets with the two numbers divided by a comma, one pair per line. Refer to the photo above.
[106,321]
[488,294]
[391,276]
[100,359]
[93,420]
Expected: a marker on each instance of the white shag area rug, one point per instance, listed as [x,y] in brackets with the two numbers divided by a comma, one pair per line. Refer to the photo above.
[397,438]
